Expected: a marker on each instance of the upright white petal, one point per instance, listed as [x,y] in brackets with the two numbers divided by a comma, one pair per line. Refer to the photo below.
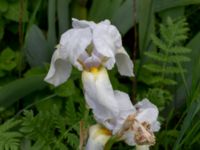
[74,43]
[82,23]
[107,41]
[60,69]
[100,97]
[98,136]
[125,109]
[92,61]
[148,112]
[124,63]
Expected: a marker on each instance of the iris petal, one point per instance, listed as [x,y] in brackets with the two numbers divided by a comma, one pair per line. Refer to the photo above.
[124,63]
[74,43]
[98,136]
[60,69]
[148,112]
[99,95]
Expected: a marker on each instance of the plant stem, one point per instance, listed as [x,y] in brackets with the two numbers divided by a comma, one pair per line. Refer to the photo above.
[110,143]
[142,147]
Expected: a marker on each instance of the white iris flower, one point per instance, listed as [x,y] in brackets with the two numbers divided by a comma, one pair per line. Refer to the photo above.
[138,128]
[93,48]
[88,45]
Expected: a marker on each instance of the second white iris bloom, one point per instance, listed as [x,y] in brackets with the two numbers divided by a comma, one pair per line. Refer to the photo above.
[114,110]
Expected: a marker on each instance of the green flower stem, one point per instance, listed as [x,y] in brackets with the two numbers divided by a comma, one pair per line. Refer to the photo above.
[110,143]
[142,147]
[86,114]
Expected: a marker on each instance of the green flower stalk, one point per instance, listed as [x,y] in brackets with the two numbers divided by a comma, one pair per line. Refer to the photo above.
[142,147]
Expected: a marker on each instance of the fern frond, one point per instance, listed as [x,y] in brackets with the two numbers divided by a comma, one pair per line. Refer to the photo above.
[9,124]
[159,96]
[163,58]
[156,56]
[179,50]
[175,59]
[174,32]
[155,68]
[166,60]
[159,80]
[10,140]
[159,43]
[72,114]
[72,139]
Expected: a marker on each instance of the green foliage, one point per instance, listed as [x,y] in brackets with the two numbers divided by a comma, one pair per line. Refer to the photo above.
[51,115]
[14,10]
[159,97]
[50,129]
[36,47]
[167,59]
[55,126]
[10,138]
[8,61]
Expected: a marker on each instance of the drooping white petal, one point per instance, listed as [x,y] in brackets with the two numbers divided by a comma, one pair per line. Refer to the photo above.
[98,136]
[99,96]
[124,63]
[106,40]
[60,69]
[74,42]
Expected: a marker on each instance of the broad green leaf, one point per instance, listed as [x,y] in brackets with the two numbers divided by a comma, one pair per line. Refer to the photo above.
[51,36]
[63,15]
[35,71]
[33,15]
[194,54]
[103,9]
[79,9]
[19,88]
[3,6]
[7,60]
[36,47]
[146,21]
[192,67]
[174,13]
[160,5]
[124,23]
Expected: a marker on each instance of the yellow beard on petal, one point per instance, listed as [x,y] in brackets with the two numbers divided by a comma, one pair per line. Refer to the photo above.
[104,131]
[94,70]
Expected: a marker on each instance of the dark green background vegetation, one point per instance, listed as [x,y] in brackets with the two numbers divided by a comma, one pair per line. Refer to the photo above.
[161,36]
